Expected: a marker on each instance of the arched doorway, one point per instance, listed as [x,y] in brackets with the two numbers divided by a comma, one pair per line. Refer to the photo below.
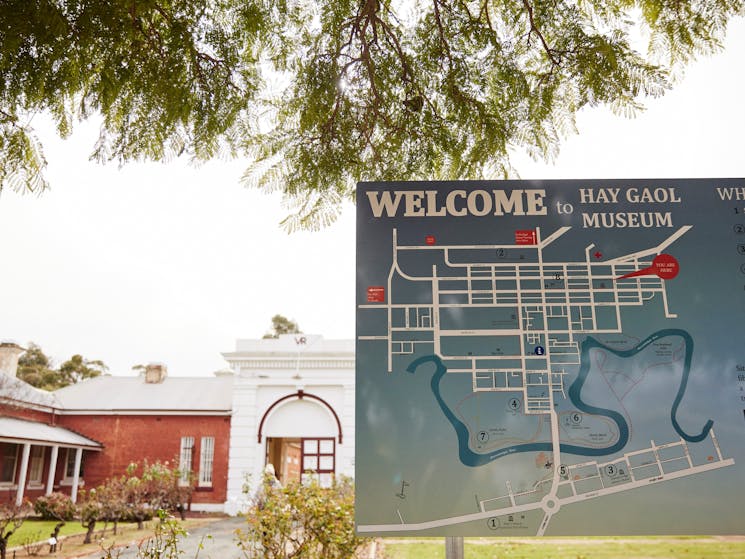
[301,432]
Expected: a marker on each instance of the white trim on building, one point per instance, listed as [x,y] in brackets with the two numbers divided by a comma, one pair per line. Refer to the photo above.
[293,388]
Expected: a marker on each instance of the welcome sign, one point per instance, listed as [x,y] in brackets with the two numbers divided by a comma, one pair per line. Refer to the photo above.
[551,357]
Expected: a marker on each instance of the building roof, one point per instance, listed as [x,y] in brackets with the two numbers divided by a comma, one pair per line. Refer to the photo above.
[16,390]
[132,394]
[24,431]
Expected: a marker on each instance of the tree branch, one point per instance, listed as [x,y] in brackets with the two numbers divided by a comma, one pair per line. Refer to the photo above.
[534,29]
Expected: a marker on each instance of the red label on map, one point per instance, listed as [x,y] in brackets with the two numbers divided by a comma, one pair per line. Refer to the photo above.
[376,294]
[429,239]
[664,266]
[525,237]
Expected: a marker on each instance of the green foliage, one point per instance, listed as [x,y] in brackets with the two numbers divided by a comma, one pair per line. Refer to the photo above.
[323,94]
[135,496]
[90,510]
[160,486]
[163,545]
[78,368]
[55,506]
[35,368]
[12,516]
[282,325]
[305,521]
[166,76]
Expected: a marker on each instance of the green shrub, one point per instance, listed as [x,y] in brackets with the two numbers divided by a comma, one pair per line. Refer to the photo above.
[55,506]
[301,520]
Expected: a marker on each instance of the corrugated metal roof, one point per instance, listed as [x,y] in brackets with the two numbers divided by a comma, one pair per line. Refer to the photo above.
[110,393]
[21,430]
[14,388]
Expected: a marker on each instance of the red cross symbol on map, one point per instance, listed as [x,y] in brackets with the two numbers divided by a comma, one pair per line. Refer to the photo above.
[598,254]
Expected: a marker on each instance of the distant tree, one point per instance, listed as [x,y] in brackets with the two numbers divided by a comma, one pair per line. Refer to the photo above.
[78,368]
[282,325]
[35,368]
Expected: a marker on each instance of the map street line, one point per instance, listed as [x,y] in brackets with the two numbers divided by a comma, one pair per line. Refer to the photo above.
[570,292]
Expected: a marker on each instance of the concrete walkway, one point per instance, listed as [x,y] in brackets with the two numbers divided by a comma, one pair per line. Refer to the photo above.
[217,539]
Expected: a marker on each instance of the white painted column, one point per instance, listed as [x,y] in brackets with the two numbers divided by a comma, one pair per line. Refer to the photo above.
[22,473]
[76,475]
[52,469]
[243,442]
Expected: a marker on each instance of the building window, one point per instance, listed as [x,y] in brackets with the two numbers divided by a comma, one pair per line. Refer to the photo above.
[206,460]
[8,461]
[36,465]
[185,459]
[70,465]
[319,459]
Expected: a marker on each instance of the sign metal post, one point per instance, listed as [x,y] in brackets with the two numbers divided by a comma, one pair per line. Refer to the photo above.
[454,547]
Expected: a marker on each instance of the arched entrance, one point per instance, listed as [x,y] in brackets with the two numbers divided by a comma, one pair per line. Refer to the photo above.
[301,431]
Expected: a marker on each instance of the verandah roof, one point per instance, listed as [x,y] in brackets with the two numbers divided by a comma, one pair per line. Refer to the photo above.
[21,431]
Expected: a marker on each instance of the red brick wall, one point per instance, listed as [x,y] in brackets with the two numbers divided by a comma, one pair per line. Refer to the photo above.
[11,410]
[33,488]
[133,438]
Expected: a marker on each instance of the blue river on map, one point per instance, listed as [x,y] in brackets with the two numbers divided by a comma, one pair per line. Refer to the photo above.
[470,458]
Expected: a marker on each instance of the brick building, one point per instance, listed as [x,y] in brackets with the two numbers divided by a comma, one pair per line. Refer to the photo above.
[87,432]
[286,401]
[181,420]
[38,454]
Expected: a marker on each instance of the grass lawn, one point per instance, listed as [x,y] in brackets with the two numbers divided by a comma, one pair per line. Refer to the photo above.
[37,530]
[574,548]
[71,545]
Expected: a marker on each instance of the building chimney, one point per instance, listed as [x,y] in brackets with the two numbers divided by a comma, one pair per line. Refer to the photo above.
[9,354]
[155,373]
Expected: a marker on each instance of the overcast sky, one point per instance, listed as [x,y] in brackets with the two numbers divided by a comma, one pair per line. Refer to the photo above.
[171,263]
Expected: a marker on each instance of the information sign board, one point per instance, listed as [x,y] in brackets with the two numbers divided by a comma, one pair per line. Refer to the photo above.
[551,357]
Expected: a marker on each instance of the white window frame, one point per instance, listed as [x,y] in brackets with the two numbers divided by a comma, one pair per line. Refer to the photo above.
[36,466]
[186,458]
[206,461]
[12,480]
[68,474]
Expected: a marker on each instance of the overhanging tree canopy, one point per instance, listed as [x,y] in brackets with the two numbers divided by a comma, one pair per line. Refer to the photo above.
[322,94]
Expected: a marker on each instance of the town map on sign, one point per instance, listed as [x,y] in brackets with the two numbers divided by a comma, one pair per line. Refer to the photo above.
[528,356]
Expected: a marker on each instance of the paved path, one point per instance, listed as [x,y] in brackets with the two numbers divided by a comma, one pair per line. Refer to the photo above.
[221,544]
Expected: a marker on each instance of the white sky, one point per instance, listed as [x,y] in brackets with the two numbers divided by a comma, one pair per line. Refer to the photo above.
[172,263]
